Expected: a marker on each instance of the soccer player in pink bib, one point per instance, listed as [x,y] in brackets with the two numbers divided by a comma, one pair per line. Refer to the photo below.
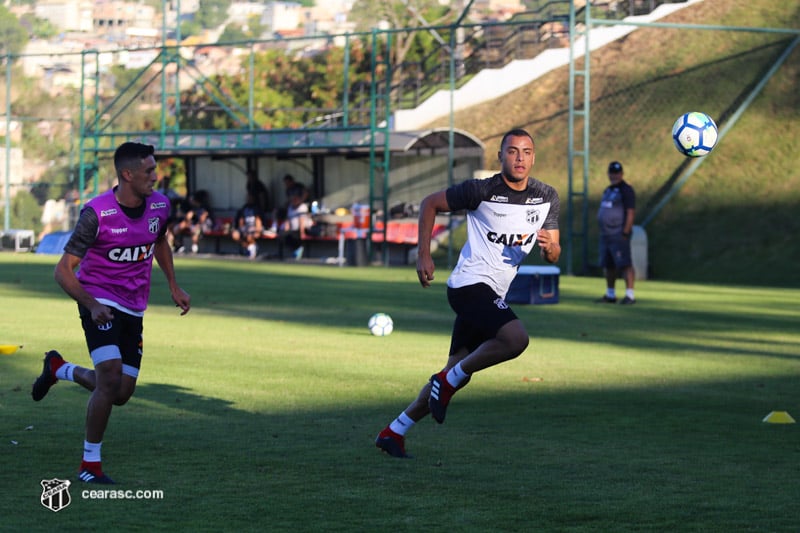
[106,269]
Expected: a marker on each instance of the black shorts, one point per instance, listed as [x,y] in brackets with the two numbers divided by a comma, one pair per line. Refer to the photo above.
[119,339]
[615,252]
[480,313]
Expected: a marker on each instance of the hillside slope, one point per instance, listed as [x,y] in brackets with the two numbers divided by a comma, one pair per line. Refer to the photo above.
[733,221]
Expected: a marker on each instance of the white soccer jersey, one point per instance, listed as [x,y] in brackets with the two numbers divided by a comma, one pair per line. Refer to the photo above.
[501,228]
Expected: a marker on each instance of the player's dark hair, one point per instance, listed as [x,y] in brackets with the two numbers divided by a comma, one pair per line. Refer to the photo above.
[516,132]
[131,153]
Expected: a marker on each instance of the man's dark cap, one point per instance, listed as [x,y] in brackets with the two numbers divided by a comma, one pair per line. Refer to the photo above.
[615,166]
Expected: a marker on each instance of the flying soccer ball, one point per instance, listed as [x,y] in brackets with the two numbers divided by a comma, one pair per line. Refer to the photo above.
[380,324]
[694,134]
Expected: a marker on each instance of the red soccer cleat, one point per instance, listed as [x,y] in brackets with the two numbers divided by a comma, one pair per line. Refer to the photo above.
[441,392]
[392,443]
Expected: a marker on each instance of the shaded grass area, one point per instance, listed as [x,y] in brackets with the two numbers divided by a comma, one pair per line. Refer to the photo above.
[257,410]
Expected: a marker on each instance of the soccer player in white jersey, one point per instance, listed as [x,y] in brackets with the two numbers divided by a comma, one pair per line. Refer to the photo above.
[106,269]
[507,214]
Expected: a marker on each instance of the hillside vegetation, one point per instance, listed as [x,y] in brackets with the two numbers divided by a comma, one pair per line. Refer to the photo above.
[734,221]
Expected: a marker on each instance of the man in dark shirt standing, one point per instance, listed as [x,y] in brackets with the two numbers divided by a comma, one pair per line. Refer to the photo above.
[615,218]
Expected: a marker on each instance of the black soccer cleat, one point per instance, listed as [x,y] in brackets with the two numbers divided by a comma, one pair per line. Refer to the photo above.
[47,378]
[87,476]
[606,300]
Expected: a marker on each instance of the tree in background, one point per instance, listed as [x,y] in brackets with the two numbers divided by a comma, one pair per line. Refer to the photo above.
[289,90]
[25,212]
[39,28]
[212,13]
[13,36]
[255,29]
[252,30]
[233,33]
[398,14]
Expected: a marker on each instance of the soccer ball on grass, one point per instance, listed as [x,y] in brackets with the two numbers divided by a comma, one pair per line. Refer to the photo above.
[380,324]
[694,134]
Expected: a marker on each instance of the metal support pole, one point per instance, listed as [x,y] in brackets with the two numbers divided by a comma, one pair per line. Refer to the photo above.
[7,210]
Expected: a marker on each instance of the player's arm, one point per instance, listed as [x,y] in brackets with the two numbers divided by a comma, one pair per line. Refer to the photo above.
[549,244]
[629,203]
[432,205]
[548,237]
[163,255]
[83,237]
[66,278]
[627,229]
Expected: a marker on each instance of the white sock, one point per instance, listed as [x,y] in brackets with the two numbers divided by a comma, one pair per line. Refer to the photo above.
[611,293]
[66,372]
[91,451]
[401,424]
[456,376]
[629,294]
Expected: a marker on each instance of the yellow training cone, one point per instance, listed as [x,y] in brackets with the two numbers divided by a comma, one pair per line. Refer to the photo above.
[8,349]
[779,417]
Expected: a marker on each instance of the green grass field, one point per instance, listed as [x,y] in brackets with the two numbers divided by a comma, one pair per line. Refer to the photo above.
[258,410]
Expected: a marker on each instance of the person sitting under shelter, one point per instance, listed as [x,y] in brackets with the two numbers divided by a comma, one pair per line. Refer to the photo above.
[197,220]
[249,225]
[294,228]
[292,188]
[175,199]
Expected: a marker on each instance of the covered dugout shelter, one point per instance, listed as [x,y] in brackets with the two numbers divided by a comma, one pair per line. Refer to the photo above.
[335,166]
[390,171]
